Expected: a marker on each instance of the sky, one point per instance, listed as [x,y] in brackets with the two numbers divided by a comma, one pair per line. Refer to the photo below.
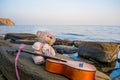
[61,12]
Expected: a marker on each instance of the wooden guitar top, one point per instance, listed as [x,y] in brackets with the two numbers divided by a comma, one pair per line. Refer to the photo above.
[74,70]
[75,64]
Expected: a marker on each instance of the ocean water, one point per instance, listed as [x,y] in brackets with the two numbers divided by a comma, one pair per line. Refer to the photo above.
[70,32]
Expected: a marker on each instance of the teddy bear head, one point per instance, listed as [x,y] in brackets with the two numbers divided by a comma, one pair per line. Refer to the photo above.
[45,37]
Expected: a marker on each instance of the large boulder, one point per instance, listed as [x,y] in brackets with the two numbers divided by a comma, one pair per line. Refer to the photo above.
[6,21]
[27,69]
[25,38]
[100,51]
[20,36]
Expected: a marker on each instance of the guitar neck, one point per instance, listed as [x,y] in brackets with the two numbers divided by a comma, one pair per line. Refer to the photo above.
[33,53]
[56,58]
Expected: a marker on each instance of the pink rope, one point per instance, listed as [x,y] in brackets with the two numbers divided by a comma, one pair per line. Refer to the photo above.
[16,60]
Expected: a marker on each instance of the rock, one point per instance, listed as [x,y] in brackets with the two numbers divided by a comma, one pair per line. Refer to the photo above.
[25,38]
[63,42]
[76,43]
[5,43]
[6,21]
[0,72]
[27,69]
[100,51]
[101,76]
[103,67]
[20,41]
[1,77]
[1,38]
[63,49]
[108,69]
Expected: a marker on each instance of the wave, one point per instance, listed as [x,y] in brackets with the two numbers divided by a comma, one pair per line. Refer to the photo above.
[73,34]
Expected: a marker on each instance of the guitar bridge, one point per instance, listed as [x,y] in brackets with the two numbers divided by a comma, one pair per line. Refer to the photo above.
[80,64]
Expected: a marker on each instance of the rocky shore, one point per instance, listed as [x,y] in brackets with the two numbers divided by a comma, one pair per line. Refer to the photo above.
[6,21]
[101,54]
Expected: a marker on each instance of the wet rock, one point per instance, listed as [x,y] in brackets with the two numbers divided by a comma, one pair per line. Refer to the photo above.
[63,49]
[63,42]
[100,51]
[6,21]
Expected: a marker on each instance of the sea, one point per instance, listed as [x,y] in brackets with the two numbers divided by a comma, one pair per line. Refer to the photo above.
[98,33]
[101,33]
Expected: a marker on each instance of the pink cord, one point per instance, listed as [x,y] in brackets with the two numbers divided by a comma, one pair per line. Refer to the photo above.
[16,60]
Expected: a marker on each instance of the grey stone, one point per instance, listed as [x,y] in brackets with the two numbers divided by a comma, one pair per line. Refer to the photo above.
[100,51]
[27,69]
[63,42]
[63,49]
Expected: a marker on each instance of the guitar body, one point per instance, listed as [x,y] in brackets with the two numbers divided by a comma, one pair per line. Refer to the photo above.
[75,70]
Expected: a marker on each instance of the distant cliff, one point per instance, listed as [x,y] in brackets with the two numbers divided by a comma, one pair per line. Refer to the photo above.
[6,21]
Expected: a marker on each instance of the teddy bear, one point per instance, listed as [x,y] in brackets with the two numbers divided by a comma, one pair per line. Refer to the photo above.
[43,46]
[45,37]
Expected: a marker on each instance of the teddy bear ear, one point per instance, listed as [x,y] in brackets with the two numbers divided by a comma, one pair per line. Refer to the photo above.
[38,33]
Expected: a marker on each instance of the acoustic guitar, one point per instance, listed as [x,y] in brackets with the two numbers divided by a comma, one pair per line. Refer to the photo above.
[75,70]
